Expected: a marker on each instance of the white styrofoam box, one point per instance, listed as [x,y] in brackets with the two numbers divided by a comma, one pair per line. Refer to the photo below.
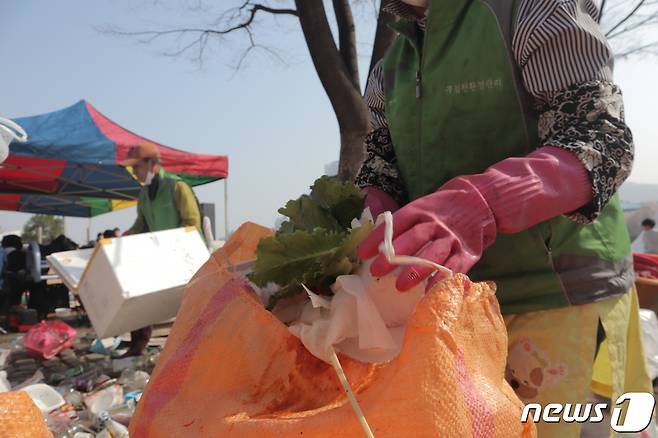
[45,397]
[135,281]
[70,265]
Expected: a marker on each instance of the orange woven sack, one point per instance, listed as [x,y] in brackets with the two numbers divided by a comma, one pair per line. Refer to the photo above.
[230,368]
[20,417]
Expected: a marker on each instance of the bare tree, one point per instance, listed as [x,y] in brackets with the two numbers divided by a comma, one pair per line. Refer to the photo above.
[631,26]
[331,40]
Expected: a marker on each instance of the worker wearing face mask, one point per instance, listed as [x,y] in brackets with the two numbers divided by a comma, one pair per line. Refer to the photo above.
[498,140]
[165,202]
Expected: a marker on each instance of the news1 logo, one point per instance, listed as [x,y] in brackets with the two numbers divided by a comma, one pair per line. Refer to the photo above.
[639,412]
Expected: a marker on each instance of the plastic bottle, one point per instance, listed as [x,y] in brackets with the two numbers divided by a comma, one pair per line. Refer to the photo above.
[134,380]
[117,430]
[25,296]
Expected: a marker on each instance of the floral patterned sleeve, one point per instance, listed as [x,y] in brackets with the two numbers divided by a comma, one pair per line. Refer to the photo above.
[588,120]
[566,66]
[380,166]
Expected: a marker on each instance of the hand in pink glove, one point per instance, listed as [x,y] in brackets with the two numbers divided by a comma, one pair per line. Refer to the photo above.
[454,225]
[379,201]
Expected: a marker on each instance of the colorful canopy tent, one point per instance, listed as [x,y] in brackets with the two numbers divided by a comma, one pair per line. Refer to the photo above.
[71,157]
[60,205]
[75,151]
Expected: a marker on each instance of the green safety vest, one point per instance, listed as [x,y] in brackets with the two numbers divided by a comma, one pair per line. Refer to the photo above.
[161,213]
[455,106]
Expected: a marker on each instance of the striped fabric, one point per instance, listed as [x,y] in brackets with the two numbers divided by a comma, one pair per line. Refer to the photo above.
[558,43]
[566,66]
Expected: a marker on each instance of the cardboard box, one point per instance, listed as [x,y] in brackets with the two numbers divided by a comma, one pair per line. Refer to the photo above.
[135,281]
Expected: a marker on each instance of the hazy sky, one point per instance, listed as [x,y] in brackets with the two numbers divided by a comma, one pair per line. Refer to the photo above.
[272,120]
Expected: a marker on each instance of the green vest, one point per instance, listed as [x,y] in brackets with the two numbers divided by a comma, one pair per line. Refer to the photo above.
[455,106]
[161,213]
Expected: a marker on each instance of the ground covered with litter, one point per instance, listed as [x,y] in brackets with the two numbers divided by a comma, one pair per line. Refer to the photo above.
[84,390]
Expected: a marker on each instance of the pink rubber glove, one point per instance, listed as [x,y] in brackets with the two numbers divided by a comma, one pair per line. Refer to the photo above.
[455,224]
[379,201]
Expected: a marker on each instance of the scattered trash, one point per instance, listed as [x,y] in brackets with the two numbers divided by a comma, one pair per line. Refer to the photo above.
[133,380]
[102,400]
[45,397]
[104,434]
[122,414]
[4,355]
[73,397]
[4,383]
[36,378]
[105,346]
[133,397]
[74,387]
[48,338]
[117,430]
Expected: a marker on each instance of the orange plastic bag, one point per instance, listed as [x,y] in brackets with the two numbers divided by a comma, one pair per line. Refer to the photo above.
[230,368]
[20,417]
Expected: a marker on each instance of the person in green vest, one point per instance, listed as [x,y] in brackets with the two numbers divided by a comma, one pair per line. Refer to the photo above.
[498,140]
[165,202]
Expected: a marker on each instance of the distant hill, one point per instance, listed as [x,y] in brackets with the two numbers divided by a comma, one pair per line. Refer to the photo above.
[632,192]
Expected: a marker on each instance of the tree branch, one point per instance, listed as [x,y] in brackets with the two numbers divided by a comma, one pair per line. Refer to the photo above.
[202,35]
[347,39]
[626,18]
[601,10]
[641,49]
[644,22]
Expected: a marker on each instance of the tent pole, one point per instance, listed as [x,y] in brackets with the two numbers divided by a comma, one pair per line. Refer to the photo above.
[226,208]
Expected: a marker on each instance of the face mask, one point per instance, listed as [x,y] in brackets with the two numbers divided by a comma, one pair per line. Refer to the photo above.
[149,178]
[421,3]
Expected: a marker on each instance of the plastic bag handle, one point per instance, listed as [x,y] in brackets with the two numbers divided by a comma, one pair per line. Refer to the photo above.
[18,133]
[388,250]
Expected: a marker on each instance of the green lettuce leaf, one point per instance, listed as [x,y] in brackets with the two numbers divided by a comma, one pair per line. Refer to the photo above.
[343,199]
[285,258]
[315,245]
[306,214]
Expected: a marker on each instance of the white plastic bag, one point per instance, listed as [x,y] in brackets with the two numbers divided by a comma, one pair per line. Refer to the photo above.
[9,131]
[649,325]
[4,383]
[367,317]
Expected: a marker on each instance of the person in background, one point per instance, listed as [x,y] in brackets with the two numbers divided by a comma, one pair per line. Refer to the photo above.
[648,224]
[647,241]
[165,202]
[498,139]
[108,234]
[14,269]
[117,232]
[3,263]
[5,248]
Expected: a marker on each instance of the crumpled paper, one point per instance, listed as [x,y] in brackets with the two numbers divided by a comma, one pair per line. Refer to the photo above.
[367,317]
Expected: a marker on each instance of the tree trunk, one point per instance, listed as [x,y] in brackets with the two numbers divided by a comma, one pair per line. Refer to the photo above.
[347,38]
[346,100]
[351,153]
